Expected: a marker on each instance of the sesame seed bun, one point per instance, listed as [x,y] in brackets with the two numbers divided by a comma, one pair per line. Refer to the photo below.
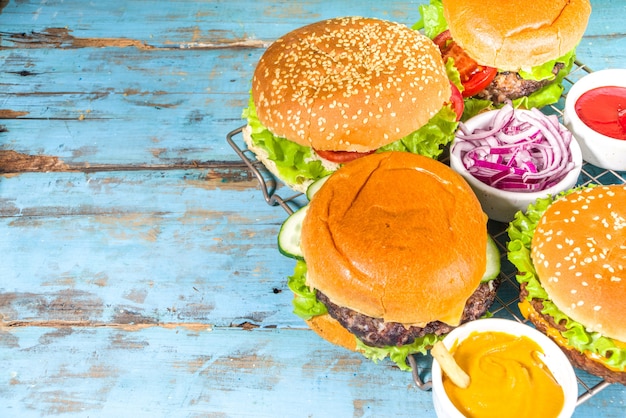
[516,34]
[579,252]
[349,84]
[396,236]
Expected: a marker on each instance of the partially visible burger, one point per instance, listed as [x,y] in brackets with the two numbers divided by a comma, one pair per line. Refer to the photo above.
[395,254]
[341,88]
[570,252]
[515,51]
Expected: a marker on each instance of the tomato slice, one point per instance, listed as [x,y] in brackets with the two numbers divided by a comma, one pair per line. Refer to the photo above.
[456,100]
[480,79]
[474,77]
[342,156]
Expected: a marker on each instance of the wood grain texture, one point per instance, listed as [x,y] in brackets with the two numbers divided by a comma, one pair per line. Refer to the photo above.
[139,273]
[159,372]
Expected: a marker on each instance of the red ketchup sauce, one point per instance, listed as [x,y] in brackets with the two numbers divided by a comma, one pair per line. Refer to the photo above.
[603,109]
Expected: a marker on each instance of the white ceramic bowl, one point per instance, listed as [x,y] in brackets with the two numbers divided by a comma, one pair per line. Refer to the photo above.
[600,150]
[501,205]
[555,359]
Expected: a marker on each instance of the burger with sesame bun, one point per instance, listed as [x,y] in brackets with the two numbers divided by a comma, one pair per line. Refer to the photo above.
[507,50]
[338,89]
[392,254]
[570,252]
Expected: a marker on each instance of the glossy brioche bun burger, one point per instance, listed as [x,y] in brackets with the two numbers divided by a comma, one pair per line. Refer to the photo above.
[394,245]
[528,35]
[337,89]
[514,50]
[576,292]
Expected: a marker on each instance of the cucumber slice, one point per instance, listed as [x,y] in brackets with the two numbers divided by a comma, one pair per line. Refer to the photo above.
[493,261]
[315,186]
[289,234]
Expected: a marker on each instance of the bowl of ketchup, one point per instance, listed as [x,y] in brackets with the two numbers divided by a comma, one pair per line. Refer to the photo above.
[595,113]
[514,371]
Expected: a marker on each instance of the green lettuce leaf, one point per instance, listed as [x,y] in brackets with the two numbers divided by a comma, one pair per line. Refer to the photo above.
[432,20]
[454,75]
[520,232]
[544,71]
[475,106]
[305,305]
[293,161]
[430,139]
[552,92]
[398,354]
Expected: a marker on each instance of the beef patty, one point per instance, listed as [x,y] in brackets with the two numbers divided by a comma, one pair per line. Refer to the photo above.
[508,85]
[377,333]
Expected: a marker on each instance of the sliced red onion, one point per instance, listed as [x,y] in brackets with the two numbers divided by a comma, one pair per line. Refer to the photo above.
[517,151]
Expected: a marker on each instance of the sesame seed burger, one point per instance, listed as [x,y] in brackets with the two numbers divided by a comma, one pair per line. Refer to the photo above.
[511,50]
[394,255]
[338,89]
[570,252]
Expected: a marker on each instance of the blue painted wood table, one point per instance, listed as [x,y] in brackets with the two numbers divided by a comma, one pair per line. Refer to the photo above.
[139,274]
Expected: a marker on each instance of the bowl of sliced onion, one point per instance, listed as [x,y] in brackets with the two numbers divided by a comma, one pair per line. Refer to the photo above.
[511,157]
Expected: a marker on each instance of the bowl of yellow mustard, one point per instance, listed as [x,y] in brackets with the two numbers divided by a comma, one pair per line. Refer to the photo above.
[514,370]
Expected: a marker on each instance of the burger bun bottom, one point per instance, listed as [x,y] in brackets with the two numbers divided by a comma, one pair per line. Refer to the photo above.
[332,331]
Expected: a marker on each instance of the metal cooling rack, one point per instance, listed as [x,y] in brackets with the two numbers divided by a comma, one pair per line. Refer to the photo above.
[507,298]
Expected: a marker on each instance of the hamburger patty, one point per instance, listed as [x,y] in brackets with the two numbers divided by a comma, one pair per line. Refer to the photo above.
[576,358]
[377,333]
[508,85]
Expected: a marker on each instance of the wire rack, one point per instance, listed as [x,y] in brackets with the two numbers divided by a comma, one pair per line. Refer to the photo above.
[507,298]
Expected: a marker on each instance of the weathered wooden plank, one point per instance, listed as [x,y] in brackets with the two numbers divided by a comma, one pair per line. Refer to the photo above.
[106,248]
[140,143]
[187,372]
[141,76]
[88,112]
[175,23]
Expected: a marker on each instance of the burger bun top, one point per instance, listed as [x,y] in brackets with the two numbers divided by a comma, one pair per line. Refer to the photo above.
[396,236]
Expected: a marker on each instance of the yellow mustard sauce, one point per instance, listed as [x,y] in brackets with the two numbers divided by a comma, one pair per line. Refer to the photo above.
[507,378]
